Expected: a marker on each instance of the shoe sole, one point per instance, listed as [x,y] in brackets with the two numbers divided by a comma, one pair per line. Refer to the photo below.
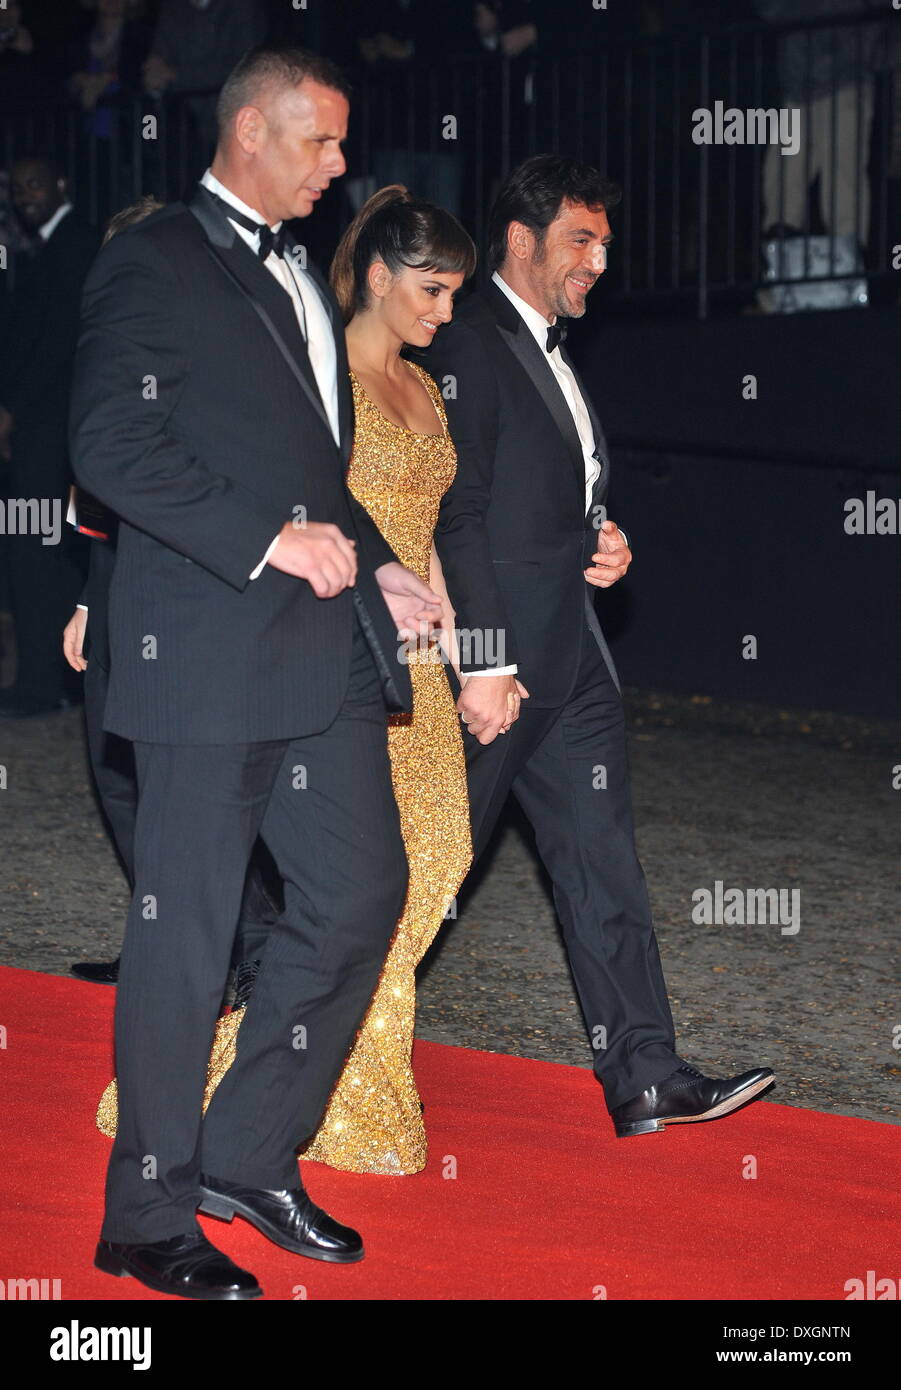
[725,1107]
[115,1265]
[226,1208]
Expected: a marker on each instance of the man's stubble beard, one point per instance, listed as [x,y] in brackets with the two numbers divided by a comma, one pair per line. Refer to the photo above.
[559,305]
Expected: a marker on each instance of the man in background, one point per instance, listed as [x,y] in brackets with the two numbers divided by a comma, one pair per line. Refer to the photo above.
[45,569]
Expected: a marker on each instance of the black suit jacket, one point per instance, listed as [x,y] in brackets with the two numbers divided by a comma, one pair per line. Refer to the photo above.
[36,357]
[196,418]
[512,535]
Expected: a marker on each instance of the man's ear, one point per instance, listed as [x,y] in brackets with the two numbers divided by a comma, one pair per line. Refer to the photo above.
[520,240]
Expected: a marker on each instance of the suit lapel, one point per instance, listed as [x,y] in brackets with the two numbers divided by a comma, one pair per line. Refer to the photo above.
[530,357]
[272,304]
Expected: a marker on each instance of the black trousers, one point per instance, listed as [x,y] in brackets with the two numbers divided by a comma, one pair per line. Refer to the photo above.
[568,770]
[325,807]
[113,766]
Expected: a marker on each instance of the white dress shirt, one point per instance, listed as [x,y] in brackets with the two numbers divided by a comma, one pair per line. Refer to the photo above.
[49,227]
[312,315]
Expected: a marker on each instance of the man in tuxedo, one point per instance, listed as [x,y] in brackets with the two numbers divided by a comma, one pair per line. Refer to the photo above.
[46,572]
[86,649]
[524,541]
[254,620]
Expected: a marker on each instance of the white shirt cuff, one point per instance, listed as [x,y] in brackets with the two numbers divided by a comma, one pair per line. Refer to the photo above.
[492,671]
[82,606]
[255,574]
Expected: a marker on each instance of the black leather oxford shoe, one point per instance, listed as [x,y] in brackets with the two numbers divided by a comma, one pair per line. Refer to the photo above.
[98,972]
[684,1097]
[286,1216]
[187,1265]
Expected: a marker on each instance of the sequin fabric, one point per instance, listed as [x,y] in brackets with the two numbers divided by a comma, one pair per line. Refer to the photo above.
[373,1121]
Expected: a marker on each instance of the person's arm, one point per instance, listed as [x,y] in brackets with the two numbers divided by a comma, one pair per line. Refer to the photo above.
[445,629]
[135,328]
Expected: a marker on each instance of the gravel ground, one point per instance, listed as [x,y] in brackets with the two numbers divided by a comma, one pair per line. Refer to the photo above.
[754,798]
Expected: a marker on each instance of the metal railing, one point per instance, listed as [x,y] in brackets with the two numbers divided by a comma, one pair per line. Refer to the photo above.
[690,229]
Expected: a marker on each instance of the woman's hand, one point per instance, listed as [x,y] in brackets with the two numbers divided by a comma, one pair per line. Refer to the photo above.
[73,640]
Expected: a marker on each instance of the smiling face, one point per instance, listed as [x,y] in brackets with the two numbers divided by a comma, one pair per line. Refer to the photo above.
[413,304]
[36,193]
[568,263]
[290,148]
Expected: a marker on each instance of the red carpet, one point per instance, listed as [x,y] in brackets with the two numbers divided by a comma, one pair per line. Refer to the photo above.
[545,1204]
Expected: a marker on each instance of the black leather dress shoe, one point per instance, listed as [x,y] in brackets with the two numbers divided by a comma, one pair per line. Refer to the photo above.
[685,1096]
[98,972]
[187,1265]
[286,1216]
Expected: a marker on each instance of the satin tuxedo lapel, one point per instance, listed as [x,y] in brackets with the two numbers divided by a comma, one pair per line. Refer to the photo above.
[533,361]
[272,303]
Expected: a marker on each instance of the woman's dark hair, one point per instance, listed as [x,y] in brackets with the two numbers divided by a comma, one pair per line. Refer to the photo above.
[535,192]
[396,228]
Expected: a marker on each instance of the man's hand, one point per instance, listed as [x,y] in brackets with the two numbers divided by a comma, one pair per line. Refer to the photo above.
[318,552]
[73,640]
[612,557]
[488,705]
[410,601]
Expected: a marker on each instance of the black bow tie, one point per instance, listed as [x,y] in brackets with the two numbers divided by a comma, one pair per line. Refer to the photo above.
[556,333]
[269,240]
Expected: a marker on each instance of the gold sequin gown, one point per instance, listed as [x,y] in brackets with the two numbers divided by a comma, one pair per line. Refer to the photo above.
[373,1122]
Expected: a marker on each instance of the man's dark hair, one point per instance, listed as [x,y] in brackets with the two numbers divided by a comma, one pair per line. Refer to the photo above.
[535,192]
[273,66]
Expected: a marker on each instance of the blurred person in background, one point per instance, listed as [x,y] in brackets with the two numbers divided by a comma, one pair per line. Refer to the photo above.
[41,332]
[195,45]
[109,59]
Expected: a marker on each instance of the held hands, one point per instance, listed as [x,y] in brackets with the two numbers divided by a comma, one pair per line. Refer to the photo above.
[612,557]
[489,705]
[73,640]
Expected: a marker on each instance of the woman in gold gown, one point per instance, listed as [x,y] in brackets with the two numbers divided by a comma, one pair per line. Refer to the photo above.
[394,274]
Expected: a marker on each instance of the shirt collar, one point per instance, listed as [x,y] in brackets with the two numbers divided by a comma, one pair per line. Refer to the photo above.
[210,181]
[46,232]
[534,319]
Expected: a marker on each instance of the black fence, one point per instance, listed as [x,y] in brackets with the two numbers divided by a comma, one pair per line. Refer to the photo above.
[692,126]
